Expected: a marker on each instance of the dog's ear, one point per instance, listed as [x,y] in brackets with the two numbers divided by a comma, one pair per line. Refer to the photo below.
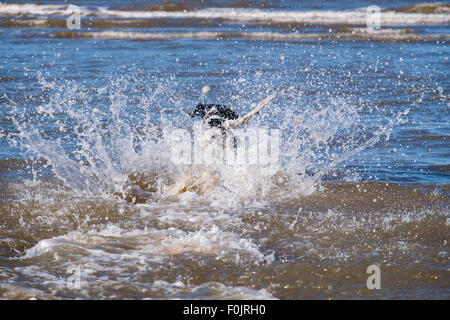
[227,113]
[231,114]
[199,111]
[224,111]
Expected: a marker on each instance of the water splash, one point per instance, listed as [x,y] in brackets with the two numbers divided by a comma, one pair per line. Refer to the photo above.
[109,140]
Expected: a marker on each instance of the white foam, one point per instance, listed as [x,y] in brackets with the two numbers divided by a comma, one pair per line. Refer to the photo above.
[33,9]
[300,17]
[171,241]
[212,290]
[386,34]
[352,17]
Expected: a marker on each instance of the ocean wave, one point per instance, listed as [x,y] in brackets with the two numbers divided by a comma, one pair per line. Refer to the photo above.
[16,9]
[169,242]
[351,17]
[213,290]
[194,5]
[425,8]
[354,33]
[103,23]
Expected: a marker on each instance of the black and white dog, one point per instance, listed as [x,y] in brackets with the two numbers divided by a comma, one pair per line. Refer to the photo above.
[218,119]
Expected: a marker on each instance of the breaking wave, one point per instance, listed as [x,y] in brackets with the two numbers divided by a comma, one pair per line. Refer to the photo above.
[416,15]
[356,33]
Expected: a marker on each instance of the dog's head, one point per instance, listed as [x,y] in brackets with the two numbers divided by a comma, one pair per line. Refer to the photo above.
[214,114]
